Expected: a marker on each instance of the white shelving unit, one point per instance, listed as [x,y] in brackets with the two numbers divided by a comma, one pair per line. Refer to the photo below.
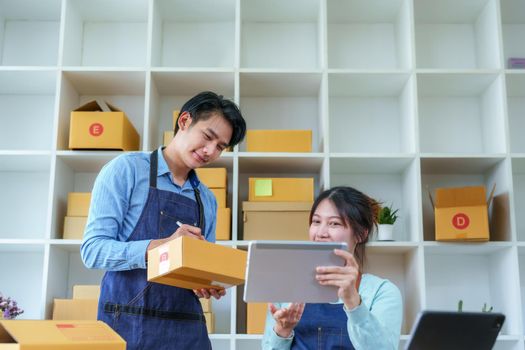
[402,97]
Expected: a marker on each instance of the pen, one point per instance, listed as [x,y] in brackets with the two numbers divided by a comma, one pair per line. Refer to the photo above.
[179,223]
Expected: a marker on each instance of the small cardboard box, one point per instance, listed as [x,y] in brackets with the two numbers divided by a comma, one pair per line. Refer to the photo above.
[192,263]
[279,141]
[461,214]
[78,203]
[220,196]
[223,226]
[86,292]
[281,189]
[168,136]
[175,116]
[289,220]
[91,128]
[206,304]
[256,317]
[74,227]
[63,335]
[213,177]
[75,309]
[210,322]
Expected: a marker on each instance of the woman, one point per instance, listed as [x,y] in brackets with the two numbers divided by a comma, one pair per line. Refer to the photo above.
[369,312]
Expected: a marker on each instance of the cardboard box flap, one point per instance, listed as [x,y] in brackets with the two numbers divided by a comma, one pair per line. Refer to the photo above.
[60,334]
[97,105]
[460,197]
[276,206]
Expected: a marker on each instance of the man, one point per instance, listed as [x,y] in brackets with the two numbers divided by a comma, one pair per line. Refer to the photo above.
[138,202]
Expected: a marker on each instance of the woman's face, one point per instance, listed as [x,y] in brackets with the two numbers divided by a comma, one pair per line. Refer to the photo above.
[328,226]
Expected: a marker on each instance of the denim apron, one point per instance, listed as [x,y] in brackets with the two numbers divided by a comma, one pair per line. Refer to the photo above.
[151,315]
[323,326]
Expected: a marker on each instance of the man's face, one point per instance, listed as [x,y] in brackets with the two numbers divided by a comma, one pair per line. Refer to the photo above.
[204,141]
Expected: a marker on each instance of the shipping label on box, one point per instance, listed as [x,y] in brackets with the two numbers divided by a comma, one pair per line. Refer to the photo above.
[279,140]
[289,220]
[213,177]
[461,214]
[91,128]
[281,189]
[78,203]
[193,264]
[63,335]
[223,226]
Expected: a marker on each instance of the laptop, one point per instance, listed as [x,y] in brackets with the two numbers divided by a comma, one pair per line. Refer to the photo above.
[449,330]
[284,271]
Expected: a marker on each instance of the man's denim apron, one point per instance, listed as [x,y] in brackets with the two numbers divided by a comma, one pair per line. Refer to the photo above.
[322,326]
[151,315]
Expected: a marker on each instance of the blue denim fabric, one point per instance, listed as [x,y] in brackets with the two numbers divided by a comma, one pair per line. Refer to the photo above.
[121,289]
[322,326]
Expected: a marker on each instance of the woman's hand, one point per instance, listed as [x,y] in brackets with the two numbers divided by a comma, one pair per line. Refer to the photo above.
[286,318]
[208,293]
[343,277]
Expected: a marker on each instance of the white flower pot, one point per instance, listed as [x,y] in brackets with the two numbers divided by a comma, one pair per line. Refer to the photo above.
[385,232]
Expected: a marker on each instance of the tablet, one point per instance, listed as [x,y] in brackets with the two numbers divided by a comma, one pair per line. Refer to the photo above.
[449,330]
[284,271]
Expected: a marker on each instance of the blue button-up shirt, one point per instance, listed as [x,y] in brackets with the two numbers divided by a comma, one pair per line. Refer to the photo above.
[118,198]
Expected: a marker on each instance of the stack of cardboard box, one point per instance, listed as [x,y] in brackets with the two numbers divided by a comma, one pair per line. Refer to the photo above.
[216,180]
[77,212]
[83,306]
[208,314]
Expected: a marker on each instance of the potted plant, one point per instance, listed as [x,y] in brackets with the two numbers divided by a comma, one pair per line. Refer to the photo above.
[387,218]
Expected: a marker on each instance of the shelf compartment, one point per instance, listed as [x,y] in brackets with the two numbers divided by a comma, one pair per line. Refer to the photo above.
[466,110]
[170,90]
[73,174]
[521,260]
[283,101]
[476,277]
[513,28]
[365,106]
[100,33]
[391,181]
[460,172]
[515,110]
[452,35]
[404,269]
[181,33]
[66,269]
[28,106]
[29,32]
[28,175]
[364,34]
[25,263]
[123,89]
[281,34]
[518,174]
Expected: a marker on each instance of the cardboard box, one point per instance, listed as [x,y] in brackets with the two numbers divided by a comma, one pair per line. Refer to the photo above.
[461,214]
[213,177]
[90,128]
[63,335]
[256,317]
[78,203]
[220,196]
[192,263]
[279,141]
[289,220]
[281,189]
[206,304]
[74,227]
[168,136]
[175,116]
[75,309]
[224,224]
[86,292]
[210,322]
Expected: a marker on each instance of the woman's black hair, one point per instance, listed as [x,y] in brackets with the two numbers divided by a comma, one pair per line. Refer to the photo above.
[357,210]
[205,104]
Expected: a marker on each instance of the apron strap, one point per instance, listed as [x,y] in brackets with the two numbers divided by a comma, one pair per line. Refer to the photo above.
[139,310]
[154,161]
